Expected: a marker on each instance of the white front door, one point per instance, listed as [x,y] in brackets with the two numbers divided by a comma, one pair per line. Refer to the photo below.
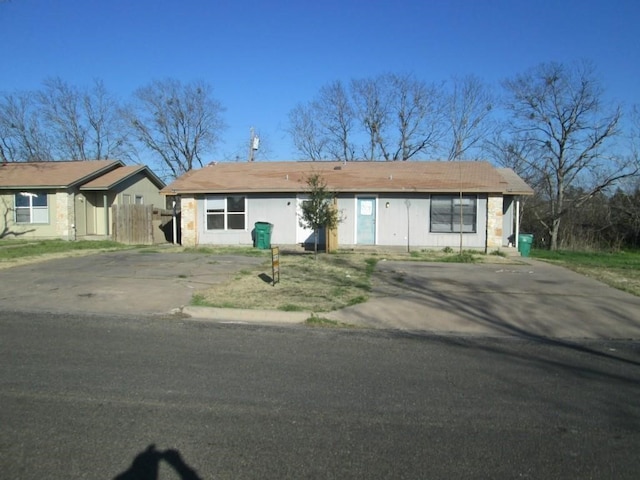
[366,224]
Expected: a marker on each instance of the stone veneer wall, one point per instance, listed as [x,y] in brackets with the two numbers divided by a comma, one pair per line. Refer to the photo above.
[188,221]
[494,222]
[64,215]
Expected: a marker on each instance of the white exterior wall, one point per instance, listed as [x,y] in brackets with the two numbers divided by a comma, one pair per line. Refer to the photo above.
[398,226]
[392,228]
[508,218]
[280,211]
[347,228]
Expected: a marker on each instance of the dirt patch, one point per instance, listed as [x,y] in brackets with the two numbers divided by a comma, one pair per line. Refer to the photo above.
[16,262]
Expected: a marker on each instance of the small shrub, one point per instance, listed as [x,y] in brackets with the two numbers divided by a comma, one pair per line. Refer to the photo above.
[464,257]
[357,300]
[290,308]
[198,300]
[371,266]
[447,250]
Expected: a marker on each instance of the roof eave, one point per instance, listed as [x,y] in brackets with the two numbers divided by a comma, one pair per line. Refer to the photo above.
[36,187]
[201,191]
[96,173]
[159,183]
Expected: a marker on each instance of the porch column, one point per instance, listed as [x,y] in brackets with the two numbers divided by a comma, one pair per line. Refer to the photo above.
[106,214]
[517,220]
[494,221]
[189,221]
[65,215]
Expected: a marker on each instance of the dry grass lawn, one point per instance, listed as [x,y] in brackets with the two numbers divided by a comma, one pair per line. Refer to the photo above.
[328,282]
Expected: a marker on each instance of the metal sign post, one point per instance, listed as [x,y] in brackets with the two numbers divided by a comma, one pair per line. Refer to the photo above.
[275,265]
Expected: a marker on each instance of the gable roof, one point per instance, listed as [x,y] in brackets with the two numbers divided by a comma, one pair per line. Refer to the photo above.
[413,176]
[114,177]
[516,183]
[53,175]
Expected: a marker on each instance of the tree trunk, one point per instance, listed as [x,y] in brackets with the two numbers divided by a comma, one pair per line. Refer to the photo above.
[315,244]
[555,228]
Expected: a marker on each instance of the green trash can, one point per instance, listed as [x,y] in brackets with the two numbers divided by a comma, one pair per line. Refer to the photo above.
[263,235]
[525,240]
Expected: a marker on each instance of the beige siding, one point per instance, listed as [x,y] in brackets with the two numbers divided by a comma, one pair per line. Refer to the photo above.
[140,185]
[30,230]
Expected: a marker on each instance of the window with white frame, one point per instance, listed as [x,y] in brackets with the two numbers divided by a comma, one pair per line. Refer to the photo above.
[31,207]
[451,212]
[226,213]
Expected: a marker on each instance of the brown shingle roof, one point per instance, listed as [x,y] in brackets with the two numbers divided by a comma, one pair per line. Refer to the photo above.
[515,182]
[114,177]
[19,175]
[273,177]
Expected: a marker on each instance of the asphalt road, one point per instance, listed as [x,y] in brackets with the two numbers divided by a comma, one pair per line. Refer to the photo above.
[82,396]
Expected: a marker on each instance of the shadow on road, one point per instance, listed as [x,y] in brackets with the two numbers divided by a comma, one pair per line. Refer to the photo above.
[147,463]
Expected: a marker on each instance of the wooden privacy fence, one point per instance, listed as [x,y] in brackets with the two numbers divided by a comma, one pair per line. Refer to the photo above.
[133,224]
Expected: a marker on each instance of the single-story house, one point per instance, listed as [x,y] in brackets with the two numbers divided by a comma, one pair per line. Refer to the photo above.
[428,204]
[71,200]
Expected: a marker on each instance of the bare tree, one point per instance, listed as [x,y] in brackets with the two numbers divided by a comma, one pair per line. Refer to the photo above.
[372,98]
[22,135]
[467,115]
[60,106]
[305,132]
[558,111]
[398,117]
[83,123]
[323,128]
[417,107]
[178,123]
[107,132]
[514,152]
[336,116]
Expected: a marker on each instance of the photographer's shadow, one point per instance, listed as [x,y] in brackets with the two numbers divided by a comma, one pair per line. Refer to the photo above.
[147,464]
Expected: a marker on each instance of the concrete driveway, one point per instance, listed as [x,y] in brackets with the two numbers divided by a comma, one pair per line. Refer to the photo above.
[535,299]
[525,300]
[123,282]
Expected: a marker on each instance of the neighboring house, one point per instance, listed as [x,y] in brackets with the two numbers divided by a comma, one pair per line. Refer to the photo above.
[413,204]
[71,200]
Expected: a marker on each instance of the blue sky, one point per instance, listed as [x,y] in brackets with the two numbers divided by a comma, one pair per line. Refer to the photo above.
[264,57]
